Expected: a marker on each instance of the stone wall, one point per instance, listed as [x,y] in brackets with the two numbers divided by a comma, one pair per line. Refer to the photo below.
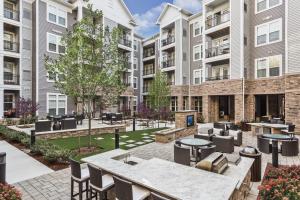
[79,132]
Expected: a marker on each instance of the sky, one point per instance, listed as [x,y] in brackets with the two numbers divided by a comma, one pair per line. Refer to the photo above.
[146,12]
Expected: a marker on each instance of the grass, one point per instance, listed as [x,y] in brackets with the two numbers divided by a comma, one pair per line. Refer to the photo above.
[103,145]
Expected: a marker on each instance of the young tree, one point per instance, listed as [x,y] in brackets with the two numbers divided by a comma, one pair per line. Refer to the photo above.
[159,93]
[90,64]
[25,108]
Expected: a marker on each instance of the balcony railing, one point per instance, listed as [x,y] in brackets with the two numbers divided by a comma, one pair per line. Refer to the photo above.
[145,89]
[148,53]
[217,20]
[168,40]
[148,72]
[11,46]
[217,78]
[168,63]
[125,42]
[218,50]
[11,14]
[11,79]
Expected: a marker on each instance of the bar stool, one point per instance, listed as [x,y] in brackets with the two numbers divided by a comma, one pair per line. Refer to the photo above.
[99,183]
[157,197]
[125,190]
[79,176]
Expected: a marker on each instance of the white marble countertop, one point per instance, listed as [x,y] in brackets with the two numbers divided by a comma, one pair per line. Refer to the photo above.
[280,126]
[172,179]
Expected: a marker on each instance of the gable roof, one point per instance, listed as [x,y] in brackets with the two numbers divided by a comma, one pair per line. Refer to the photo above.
[132,21]
[167,6]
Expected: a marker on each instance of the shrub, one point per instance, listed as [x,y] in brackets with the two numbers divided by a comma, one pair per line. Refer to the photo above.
[11,135]
[281,183]
[8,192]
[200,118]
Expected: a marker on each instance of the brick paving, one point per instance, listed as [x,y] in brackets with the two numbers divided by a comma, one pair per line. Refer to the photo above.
[56,185]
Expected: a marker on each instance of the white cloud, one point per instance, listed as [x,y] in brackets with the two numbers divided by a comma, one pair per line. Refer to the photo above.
[193,6]
[147,21]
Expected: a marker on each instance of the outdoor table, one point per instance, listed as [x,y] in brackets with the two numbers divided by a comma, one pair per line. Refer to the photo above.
[275,128]
[275,138]
[195,142]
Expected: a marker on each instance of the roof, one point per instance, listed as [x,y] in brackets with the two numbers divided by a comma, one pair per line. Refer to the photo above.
[151,37]
[168,5]
[195,15]
[132,21]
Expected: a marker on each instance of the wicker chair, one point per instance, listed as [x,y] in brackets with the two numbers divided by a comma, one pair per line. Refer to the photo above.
[182,155]
[264,145]
[238,137]
[224,144]
[99,183]
[125,190]
[203,152]
[42,126]
[79,176]
[290,147]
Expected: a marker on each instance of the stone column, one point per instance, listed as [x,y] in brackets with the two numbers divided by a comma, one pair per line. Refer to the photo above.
[292,108]
[180,103]
[130,99]
[205,108]
[238,108]
[250,107]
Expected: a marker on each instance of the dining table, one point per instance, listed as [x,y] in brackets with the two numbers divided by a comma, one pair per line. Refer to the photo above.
[275,138]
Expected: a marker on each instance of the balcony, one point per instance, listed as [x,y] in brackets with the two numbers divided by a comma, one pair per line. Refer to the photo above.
[148,53]
[145,89]
[218,50]
[217,20]
[168,63]
[11,14]
[148,72]
[169,40]
[11,79]
[125,42]
[217,78]
[11,46]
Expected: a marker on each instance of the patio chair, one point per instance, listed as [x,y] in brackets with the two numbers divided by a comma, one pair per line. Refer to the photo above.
[81,177]
[182,155]
[43,126]
[203,136]
[125,190]
[238,137]
[99,183]
[264,145]
[203,152]
[224,144]
[220,126]
[290,148]
[155,196]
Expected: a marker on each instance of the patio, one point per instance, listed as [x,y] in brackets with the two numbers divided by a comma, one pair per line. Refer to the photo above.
[56,185]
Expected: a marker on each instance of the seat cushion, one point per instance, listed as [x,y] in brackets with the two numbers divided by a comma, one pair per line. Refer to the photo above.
[217,131]
[85,174]
[107,181]
[234,133]
[139,193]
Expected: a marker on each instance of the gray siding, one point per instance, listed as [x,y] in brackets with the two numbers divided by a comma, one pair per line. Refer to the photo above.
[185,53]
[178,56]
[293,32]
[194,41]
[266,50]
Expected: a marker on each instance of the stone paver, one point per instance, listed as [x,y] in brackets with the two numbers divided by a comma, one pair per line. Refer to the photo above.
[20,166]
[130,141]
[130,145]
[58,183]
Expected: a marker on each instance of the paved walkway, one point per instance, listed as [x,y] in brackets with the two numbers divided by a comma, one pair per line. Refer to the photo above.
[57,185]
[20,166]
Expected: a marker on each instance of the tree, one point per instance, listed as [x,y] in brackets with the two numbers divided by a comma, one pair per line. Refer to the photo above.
[90,64]
[25,108]
[159,93]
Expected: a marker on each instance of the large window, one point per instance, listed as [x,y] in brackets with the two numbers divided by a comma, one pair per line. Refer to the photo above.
[174,104]
[269,33]
[197,29]
[54,44]
[198,52]
[269,66]
[198,104]
[198,76]
[56,104]
[135,81]
[263,5]
[57,16]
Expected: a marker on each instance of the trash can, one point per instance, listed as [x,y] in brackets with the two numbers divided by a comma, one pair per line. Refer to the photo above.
[251,152]
[3,167]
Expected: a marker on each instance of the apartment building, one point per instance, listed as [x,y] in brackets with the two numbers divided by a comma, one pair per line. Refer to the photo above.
[236,60]
[34,28]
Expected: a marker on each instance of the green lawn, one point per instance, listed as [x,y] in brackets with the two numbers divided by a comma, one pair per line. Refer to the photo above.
[104,142]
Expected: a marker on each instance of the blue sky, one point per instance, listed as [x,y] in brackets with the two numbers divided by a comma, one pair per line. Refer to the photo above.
[146,12]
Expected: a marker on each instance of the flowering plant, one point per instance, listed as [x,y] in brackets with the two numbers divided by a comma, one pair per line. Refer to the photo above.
[281,183]
[8,192]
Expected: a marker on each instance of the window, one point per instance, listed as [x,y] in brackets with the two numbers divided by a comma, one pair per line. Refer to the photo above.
[174,105]
[263,5]
[54,44]
[245,7]
[198,52]
[9,101]
[56,104]
[269,33]
[134,104]
[135,82]
[197,29]
[135,64]
[269,66]
[57,16]
[198,104]
[198,76]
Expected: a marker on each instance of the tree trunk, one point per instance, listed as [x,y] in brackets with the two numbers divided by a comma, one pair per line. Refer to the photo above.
[90,123]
